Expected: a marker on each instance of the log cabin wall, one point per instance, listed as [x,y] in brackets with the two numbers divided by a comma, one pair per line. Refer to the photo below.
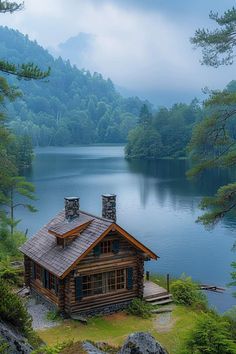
[27,274]
[126,258]
[37,286]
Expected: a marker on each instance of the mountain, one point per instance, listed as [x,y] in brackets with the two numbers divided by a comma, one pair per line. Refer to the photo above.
[77,49]
[72,106]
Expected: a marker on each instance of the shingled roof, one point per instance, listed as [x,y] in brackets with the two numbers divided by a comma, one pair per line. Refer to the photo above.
[44,250]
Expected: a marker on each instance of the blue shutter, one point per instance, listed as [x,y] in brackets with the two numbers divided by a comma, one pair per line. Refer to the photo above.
[33,270]
[129,278]
[45,278]
[97,250]
[116,246]
[79,288]
[56,285]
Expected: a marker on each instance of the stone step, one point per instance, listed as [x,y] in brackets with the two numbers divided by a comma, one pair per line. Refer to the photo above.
[158,297]
[162,302]
[162,310]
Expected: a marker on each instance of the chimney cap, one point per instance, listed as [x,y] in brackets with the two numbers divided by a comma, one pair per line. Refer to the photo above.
[71,198]
[108,195]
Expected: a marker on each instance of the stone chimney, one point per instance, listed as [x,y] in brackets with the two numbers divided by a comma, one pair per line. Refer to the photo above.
[109,206]
[71,207]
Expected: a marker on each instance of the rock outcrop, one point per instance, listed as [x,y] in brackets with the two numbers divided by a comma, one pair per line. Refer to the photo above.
[141,343]
[15,342]
[89,348]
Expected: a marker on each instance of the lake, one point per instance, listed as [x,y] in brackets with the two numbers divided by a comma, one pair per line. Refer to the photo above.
[155,203]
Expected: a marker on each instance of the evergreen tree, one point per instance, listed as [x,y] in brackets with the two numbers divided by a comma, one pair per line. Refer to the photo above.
[145,117]
[9,198]
[10,183]
[213,141]
[218,46]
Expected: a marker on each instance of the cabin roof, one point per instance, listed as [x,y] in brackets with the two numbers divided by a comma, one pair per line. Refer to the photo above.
[66,227]
[44,250]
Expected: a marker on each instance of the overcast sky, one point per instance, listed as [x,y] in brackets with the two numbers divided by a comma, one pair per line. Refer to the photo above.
[142,45]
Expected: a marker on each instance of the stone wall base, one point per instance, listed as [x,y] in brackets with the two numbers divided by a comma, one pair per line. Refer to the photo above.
[105,310]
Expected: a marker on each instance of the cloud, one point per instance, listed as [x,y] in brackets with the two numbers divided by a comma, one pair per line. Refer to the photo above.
[139,45]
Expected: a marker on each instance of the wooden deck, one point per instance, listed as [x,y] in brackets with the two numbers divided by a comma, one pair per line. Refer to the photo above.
[153,290]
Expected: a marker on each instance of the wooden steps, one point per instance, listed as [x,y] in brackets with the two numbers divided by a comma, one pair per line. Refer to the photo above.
[155,294]
[160,300]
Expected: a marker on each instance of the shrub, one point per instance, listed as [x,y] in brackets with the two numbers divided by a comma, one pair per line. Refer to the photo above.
[186,292]
[53,316]
[9,244]
[210,335]
[13,311]
[230,316]
[55,349]
[4,346]
[140,308]
[10,274]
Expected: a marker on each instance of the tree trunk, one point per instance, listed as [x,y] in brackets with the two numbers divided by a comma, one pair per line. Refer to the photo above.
[11,212]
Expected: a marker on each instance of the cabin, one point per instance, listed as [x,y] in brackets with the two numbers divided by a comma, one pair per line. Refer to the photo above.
[84,264]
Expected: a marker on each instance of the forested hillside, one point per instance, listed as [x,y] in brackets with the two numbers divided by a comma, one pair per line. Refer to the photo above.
[167,132]
[71,107]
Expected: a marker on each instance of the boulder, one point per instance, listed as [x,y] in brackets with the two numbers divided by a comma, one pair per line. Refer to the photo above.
[89,348]
[141,343]
[16,343]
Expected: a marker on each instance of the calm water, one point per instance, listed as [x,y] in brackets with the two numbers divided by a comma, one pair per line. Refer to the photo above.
[155,203]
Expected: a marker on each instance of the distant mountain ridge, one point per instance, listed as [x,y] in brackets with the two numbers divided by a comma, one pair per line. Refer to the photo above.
[77,49]
[72,107]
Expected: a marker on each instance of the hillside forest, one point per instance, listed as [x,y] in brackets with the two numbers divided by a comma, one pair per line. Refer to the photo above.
[74,106]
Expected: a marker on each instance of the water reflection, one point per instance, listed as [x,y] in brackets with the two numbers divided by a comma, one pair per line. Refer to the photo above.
[166,179]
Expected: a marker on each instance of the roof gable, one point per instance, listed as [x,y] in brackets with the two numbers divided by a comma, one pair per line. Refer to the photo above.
[70,227]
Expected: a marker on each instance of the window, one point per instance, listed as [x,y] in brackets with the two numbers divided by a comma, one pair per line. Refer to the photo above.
[103,283]
[120,280]
[38,272]
[53,283]
[106,246]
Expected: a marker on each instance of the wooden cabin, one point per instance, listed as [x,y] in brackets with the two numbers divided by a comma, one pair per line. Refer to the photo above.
[81,263]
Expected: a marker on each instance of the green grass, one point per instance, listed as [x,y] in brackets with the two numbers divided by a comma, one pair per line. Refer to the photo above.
[115,328]
[160,279]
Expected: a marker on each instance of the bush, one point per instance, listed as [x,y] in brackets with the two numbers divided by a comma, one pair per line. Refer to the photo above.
[210,335]
[230,316]
[140,308]
[186,292]
[12,275]
[13,311]
[9,244]
[55,349]
[53,316]
[4,346]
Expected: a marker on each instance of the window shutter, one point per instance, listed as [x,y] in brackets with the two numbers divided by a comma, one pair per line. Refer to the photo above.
[56,285]
[97,250]
[45,278]
[79,287]
[116,246]
[129,278]
[33,270]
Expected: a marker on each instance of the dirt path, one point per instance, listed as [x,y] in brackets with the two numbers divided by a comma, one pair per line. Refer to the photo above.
[164,322]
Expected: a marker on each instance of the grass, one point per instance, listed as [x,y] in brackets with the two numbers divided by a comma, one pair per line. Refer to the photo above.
[160,279]
[115,328]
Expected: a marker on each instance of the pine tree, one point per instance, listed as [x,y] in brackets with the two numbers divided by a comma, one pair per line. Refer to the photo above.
[10,183]
[218,46]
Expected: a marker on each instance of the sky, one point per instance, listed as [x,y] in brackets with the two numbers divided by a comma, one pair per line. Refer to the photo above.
[142,45]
